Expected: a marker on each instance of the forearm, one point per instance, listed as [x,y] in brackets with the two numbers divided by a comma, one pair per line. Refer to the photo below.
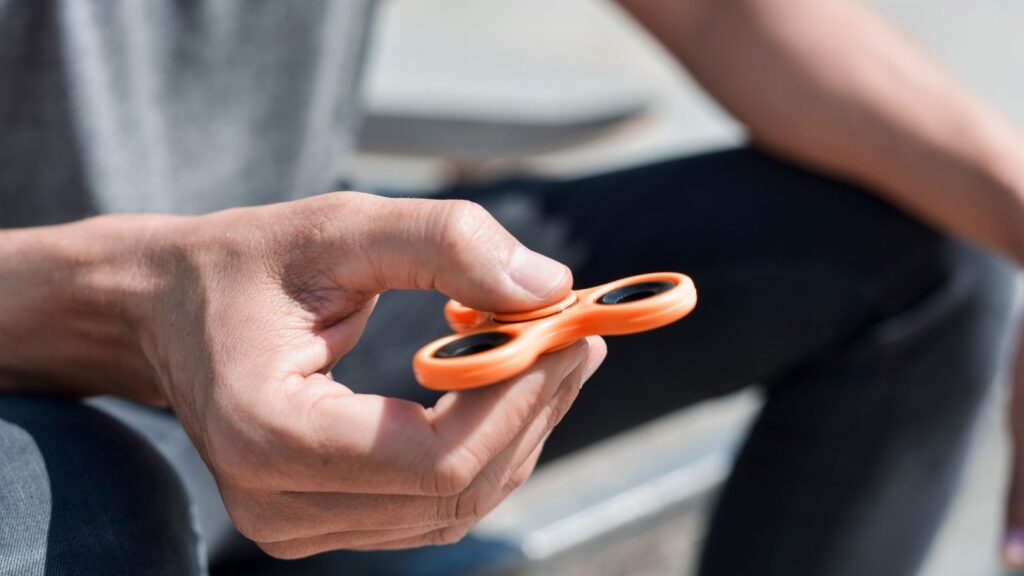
[69,306]
[831,85]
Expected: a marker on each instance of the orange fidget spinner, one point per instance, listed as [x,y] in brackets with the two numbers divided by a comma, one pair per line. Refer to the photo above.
[490,347]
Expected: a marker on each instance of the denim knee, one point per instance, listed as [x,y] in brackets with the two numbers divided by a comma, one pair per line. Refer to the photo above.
[82,493]
[952,299]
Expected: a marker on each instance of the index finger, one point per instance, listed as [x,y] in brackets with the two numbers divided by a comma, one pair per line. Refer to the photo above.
[324,438]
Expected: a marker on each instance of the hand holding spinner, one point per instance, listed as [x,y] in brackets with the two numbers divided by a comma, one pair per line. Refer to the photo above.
[491,347]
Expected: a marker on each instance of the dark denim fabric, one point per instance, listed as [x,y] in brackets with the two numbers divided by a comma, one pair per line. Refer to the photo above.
[80,493]
[874,337]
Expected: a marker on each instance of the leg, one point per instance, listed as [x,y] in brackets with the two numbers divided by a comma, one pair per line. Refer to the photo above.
[81,493]
[875,337]
[850,467]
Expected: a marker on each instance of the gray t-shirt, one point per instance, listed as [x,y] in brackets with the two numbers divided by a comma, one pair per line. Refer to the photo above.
[182,106]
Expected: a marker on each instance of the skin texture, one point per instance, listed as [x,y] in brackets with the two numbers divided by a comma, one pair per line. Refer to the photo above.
[234,320]
[832,86]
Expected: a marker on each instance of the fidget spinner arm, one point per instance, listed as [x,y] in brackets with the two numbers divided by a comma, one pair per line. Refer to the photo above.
[491,347]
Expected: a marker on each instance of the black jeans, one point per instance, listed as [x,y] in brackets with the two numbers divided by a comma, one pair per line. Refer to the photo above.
[874,337]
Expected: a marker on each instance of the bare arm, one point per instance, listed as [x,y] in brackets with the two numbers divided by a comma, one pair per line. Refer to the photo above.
[70,319]
[831,85]
[234,319]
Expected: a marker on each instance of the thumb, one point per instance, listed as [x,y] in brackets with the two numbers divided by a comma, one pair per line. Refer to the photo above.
[1013,539]
[453,246]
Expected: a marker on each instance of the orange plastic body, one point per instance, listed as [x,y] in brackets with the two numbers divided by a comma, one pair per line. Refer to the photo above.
[490,347]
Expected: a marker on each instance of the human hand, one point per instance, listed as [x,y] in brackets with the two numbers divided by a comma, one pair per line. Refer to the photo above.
[254,306]
[1013,539]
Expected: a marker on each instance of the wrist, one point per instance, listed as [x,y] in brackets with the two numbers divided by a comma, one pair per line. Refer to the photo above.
[1005,173]
[73,311]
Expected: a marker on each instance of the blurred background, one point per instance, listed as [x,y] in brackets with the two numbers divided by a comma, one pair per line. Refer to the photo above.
[464,90]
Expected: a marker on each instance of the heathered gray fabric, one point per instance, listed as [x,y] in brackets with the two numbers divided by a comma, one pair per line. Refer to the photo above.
[182,106]
[25,496]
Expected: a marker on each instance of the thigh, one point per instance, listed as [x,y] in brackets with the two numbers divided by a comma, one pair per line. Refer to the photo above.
[789,266]
[875,337]
[855,456]
[81,493]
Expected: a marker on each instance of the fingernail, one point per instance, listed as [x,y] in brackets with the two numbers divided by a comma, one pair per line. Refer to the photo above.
[537,274]
[1013,548]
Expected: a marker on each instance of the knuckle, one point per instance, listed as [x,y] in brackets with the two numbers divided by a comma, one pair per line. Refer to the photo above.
[253,518]
[467,214]
[339,200]
[523,410]
[281,550]
[463,222]
[518,479]
[453,479]
[561,404]
[454,475]
[468,507]
[448,535]
[253,524]
[447,509]
[551,417]
[256,532]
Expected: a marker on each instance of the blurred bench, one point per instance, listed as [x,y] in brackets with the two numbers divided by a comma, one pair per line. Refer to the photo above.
[660,476]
